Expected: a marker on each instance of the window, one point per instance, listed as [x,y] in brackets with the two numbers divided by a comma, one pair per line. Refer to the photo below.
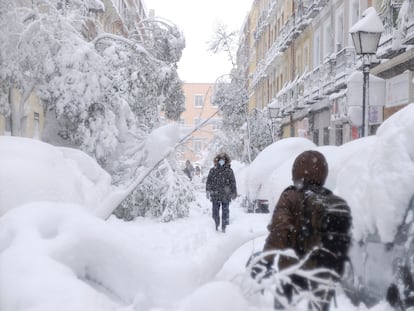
[339,137]
[36,126]
[298,65]
[354,17]
[327,40]
[215,125]
[7,126]
[197,145]
[326,136]
[198,100]
[339,31]
[197,121]
[316,137]
[354,12]
[306,64]
[317,50]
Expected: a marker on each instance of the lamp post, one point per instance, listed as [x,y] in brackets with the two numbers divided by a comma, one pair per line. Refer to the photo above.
[273,116]
[366,34]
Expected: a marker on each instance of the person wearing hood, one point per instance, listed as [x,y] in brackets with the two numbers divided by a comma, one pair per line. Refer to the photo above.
[221,189]
[189,169]
[309,173]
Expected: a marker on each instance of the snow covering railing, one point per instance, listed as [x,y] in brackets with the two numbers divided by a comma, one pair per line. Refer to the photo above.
[409,35]
[291,29]
[324,80]
[314,7]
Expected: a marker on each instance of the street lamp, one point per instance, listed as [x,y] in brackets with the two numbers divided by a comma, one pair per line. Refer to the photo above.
[273,116]
[366,34]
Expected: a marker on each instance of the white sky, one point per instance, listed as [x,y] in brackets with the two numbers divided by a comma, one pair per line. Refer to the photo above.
[197,19]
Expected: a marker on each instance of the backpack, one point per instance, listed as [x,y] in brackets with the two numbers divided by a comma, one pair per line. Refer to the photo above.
[325,224]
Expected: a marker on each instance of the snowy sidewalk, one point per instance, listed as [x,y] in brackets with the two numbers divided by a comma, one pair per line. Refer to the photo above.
[190,251]
[55,256]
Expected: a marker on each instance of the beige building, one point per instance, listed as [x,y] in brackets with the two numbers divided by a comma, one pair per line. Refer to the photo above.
[301,57]
[198,109]
[30,114]
[118,17]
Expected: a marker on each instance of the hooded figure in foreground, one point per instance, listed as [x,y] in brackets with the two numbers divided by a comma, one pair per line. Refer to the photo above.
[315,223]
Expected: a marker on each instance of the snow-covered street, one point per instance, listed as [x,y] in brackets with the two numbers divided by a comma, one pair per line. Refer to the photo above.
[129,184]
[57,253]
[188,253]
[82,263]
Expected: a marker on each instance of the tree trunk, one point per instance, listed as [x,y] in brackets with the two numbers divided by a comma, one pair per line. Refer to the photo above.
[18,111]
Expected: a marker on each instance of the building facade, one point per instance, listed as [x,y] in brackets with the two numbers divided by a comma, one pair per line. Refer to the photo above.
[302,61]
[198,109]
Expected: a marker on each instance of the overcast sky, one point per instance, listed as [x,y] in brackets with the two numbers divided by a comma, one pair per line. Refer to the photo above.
[196,19]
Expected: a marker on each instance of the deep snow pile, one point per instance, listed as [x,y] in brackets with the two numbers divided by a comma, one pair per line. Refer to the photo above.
[56,255]
[374,174]
[33,171]
[74,261]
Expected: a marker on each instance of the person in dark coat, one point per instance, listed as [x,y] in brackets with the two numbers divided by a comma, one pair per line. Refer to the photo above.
[221,189]
[309,172]
[189,169]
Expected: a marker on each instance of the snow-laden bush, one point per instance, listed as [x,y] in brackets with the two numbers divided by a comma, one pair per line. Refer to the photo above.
[165,194]
[260,132]
[84,85]
[273,281]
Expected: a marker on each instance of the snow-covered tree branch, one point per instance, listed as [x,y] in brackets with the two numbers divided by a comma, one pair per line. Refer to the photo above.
[102,96]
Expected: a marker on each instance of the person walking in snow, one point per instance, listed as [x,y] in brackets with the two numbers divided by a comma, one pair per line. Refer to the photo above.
[189,169]
[294,226]
[221,189]
[197,174]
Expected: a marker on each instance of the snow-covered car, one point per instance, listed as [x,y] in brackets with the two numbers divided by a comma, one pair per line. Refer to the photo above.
[379,269]
[375,175]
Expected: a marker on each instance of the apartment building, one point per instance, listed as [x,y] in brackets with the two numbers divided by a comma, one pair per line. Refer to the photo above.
[302,61]
[198,109]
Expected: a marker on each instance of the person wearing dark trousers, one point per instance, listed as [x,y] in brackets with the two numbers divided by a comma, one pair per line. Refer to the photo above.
[189,169]
[221,189]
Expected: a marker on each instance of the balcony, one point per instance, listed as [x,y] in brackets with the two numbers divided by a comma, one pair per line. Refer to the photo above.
[286,34]
[389,45]
[316,84]
[307,81]
[391,42]
[345,62]
[409,27]
[314,7]
[327,76]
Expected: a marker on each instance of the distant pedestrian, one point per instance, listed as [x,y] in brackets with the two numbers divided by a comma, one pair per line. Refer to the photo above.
[189,169]
[221,189]
[197,178]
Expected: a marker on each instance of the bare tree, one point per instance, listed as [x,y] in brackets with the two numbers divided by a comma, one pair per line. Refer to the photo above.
[224,40]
